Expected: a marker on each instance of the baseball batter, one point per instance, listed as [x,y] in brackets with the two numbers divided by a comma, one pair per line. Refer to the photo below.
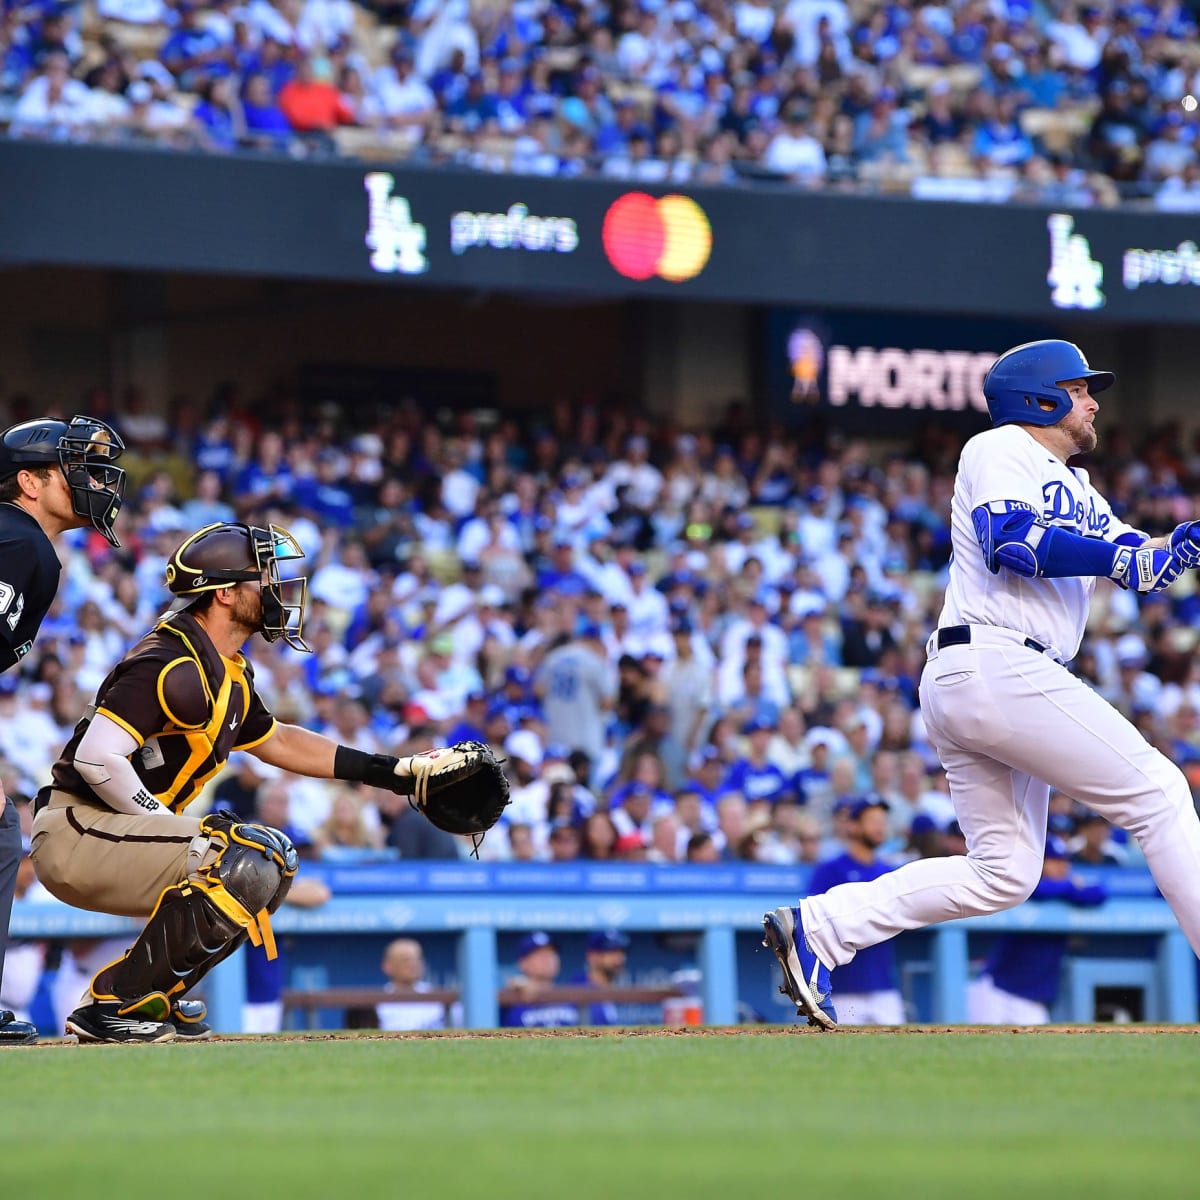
[1030,538]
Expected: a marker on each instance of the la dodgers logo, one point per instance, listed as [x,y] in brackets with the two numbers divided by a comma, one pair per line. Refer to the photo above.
[1075,277]
[1062,508]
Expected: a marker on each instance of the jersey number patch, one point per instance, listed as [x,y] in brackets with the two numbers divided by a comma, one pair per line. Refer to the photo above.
[11,599]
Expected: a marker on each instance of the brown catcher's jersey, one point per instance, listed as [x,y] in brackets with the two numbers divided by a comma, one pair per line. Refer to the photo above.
[188,707]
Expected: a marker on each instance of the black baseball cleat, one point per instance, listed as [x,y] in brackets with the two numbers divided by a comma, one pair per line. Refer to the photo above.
[123,1021]
[188,1018]
[14,1032]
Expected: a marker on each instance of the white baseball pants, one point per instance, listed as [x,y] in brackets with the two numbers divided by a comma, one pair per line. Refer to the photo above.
[1009,723]
[989,1005]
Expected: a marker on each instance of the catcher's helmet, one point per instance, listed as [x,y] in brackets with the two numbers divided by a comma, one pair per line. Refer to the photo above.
[1027,374]
[85,449]
[227,553]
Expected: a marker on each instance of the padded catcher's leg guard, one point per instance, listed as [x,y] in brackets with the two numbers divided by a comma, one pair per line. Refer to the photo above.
[201,921]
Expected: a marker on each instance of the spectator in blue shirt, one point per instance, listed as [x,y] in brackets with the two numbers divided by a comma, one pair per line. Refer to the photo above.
[269,58]
[709,772]
[325,497]
[267,478]
[265,122]
[511,114]
[1020,982]
[882,131]
[613,136]
[470,726]
[754,704]
[866,987]
[475,109]
[220,113]
[449,82]
[1000,141]
[1043,85]
[560,574]
[213,448]
[812,785]
[753,775]
[193,52]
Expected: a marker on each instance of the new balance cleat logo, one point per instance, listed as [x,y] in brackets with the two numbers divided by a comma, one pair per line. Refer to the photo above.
[102,1022]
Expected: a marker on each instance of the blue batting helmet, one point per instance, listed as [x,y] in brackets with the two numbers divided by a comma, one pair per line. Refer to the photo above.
[1027,374]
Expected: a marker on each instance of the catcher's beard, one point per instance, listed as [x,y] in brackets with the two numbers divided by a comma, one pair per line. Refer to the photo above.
[247,612]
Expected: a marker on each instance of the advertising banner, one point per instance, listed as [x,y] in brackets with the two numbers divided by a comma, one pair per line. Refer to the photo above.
[882,372]
[161,211]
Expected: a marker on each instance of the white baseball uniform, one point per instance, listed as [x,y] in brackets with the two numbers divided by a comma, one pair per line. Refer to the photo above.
[988,1004]
[1009,722]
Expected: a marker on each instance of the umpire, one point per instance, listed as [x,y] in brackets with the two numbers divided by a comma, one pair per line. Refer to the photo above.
[54,476]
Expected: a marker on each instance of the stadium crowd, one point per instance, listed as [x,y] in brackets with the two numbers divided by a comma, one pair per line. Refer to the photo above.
[1062,102]
[692,646]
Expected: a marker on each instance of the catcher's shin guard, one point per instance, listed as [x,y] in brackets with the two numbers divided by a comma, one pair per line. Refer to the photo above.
[201,921]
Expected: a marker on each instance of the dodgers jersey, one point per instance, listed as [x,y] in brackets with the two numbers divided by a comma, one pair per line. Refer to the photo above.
[1008,465]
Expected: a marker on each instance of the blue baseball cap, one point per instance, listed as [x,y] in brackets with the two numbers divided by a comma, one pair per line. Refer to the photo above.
[537,940]
[923,823]
[1056,848]
[758,725]
[859,804]
[1060,824]
[516,675]
[607,939]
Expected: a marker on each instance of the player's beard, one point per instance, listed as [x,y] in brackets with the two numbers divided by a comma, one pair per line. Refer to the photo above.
[1075,425]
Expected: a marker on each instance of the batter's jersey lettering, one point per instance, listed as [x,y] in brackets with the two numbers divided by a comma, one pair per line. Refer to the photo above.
[1008,465]
[29,571]
[188,707]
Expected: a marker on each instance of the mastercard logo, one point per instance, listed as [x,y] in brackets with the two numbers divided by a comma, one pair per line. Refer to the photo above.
[644,237]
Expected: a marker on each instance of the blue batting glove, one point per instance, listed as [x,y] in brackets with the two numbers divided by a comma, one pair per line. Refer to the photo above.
[1185,543]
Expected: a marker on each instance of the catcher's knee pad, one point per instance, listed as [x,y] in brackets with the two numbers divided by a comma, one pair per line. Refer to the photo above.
[204,919]
[255,867]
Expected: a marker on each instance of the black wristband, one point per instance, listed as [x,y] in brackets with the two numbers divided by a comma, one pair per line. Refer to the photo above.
[357,766]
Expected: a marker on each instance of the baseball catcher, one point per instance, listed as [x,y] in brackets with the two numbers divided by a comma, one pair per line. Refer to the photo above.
[110,834]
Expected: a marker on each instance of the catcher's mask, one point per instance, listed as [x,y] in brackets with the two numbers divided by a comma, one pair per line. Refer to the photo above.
[86,451]
[229,553]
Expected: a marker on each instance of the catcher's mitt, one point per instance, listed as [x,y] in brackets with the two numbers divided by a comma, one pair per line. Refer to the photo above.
[461,789]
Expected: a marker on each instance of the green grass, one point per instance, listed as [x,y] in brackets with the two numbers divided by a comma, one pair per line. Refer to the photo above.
[920,1116]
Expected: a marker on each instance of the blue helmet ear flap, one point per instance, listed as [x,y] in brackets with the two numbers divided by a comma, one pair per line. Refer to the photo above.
[1027,378]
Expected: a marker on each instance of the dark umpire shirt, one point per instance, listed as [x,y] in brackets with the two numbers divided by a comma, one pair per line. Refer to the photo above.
[188,707]
[29,571]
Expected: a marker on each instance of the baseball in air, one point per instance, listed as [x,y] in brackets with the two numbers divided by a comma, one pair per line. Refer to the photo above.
[1190,103]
